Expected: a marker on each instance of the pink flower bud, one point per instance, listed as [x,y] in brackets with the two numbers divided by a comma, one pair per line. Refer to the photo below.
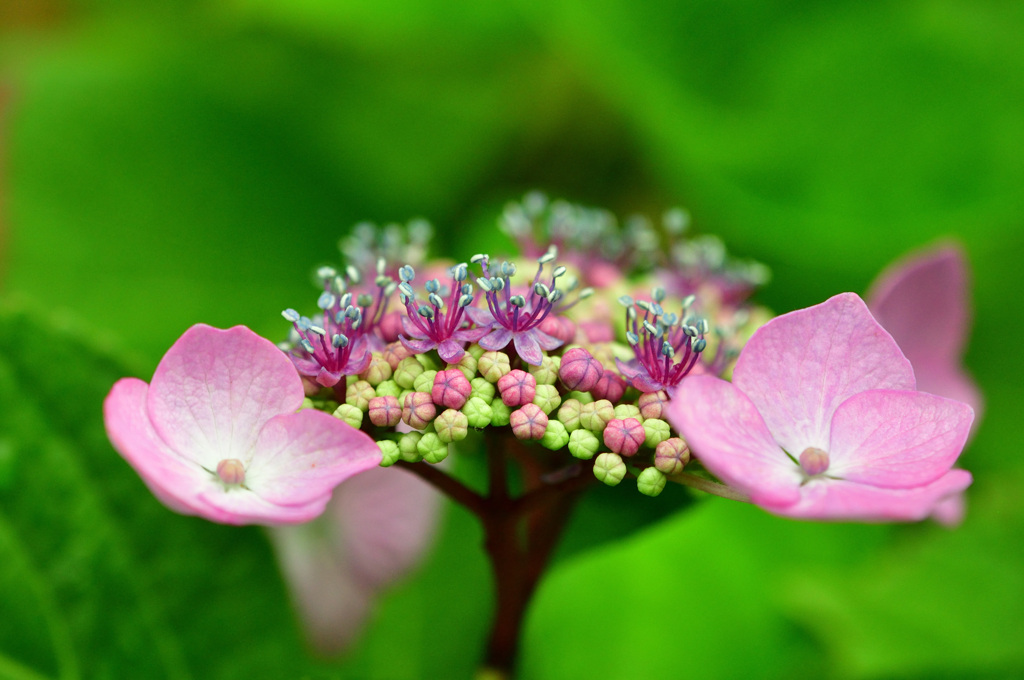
[624,436]
[385,411]
[418,410]
[609,386]
[390,326]
[671,456]
[580,370]
[394,353]
[517,388]
[559,327]
[451,388]
[652,404]
[529,422]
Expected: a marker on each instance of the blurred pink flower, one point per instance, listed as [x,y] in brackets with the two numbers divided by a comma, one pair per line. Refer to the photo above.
[923,302]
[822,421]
[377,528]
[216,433]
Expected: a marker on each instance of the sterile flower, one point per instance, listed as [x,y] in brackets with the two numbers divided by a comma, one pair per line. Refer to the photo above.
[216,433]
[822,421]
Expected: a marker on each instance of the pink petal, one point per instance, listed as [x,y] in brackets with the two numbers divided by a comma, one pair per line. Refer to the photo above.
[728,435]
[451,351]
[547,342]
[923,302]
[799,367]
[300,457]
[377,527]
[471,334]
[412,328]
[215,389]
[836,499]
[481,317]
[496,339]
[897,439]
[528,348]
[417,346]
[176,482]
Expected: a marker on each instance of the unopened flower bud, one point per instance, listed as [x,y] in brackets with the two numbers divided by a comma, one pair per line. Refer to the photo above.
[389,452]
[500,413]
[424,382]
[407,447]
[389,388]
[450,389]
[569,414]
[517,388]
[609,386]
[624,436]
[656,431]
[583,444]
[582,397]
[476,351]
[418,410]
[650,482]
[555,436]
[394,353]
[546,396]
[478,412]
[350,414]
[609,468]
[652,404]
[407,371]
[814,461]
[482,389]
[432,448]
[493,365]
[428,362]
[596,415]
[390,326]
[528,422]
[627,411]
[231,471]
[671,455]
[377,371]
[384,411]
[359,394]
[547,372]
[579,370]
[467,365]
[451,426]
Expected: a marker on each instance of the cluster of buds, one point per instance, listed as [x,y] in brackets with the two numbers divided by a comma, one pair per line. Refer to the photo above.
[540,359]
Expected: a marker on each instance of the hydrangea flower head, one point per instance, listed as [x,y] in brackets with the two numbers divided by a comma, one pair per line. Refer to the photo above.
[823,421]
[438,325]
[216,432]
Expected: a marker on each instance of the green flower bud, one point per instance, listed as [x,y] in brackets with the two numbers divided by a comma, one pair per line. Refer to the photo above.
[623,411]
[350,414]
[475,351]
[595,415]
[657,431]
[377,371]
[389,388]
[405,374]
[467,365]
[359,394]
[493,365]
[481,388]
[651,482]
[671,456]
[555,436]
[583,444]
[407,447]
[569,414]
[306,403]
[432,448]
[546,396]
[428,362]
[424,382]
[390,451]
[478,412]
[547,372]
[451,426]
[500,414]
[609,468]
[582,397]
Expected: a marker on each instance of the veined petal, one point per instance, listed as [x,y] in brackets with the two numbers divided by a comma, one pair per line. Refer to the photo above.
[451,351]
[470,334]
[897,439]
[528,348]
[300,457]
[412,329]
[481,317]
[215,389]
[728,435]
[417,345]
[841,500]
[547,342]
[798,368]
[497,339]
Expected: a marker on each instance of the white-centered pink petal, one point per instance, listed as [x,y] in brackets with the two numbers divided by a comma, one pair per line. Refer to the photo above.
[799,367]
[897,439]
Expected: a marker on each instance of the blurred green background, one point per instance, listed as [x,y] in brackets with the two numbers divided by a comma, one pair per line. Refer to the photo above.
[169,163]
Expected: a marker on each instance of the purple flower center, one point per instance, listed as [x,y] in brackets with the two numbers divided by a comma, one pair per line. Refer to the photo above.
[433,320]
[666,346]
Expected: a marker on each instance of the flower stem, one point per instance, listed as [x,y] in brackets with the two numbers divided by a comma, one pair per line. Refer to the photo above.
[707,486]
